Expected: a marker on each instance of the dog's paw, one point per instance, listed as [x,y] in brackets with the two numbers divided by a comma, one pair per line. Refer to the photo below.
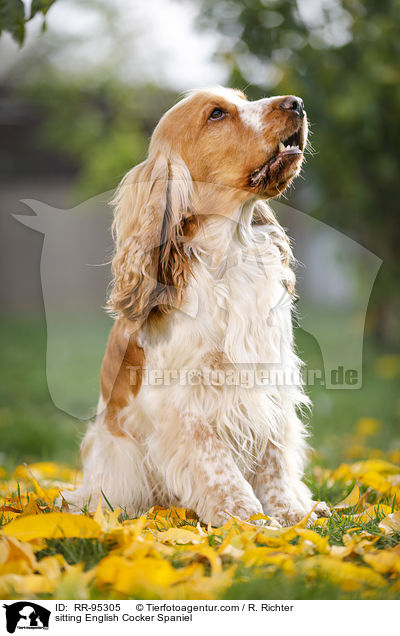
[292,513]
[322,509]
[240,509]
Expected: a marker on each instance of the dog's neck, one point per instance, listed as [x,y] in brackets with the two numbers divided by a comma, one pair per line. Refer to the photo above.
[218,233]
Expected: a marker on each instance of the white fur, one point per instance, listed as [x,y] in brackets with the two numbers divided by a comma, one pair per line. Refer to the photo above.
[251,113]
[252,325]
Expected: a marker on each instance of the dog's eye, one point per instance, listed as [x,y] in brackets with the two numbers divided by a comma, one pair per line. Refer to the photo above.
[217,113]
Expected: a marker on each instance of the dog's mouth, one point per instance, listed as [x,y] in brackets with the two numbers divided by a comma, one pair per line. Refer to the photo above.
[278,171]
[290,146]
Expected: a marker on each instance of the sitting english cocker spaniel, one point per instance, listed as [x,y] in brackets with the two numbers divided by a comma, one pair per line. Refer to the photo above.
[200,384]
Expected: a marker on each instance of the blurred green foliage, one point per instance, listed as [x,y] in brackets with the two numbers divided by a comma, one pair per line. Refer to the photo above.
[342,58]
[102,124]
[13,16]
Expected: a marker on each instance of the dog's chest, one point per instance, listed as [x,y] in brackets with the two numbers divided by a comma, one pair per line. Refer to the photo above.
[239,309]
[236,320]
[249,311]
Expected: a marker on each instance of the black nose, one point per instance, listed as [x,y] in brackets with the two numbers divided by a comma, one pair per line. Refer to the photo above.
[291,102]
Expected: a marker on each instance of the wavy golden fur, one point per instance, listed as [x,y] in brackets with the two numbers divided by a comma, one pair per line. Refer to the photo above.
[150,268]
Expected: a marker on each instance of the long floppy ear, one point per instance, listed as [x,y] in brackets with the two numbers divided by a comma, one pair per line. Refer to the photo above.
[150,265]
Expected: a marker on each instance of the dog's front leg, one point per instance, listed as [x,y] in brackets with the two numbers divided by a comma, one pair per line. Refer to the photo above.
[279,487]
[200,473]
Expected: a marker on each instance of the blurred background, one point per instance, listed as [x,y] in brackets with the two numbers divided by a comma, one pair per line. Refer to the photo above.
[82,85]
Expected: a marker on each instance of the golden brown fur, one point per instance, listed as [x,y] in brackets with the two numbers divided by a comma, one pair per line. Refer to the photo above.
[121,373]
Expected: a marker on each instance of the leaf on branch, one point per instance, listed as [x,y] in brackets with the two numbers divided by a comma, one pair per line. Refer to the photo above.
[12,19]
[40,6]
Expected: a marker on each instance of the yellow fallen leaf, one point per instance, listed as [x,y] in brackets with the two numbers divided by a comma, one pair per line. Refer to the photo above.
[358,544]
[7,516]
[321,522]
[346,472]
[391,523]
[371,513]
[4,550]
[54,525]
[106,519]
[340,551]
[230,550]
[18,566]
[367,426]
[31,508]
[351,500]
[168,516]
[212,556]
[374,480]
[342,473]
[374,465]
[384,561]
[19,550]
[225,542]
[203,587]
[254,556]
[39,490]
[260,517]
[49,567]
[131,530]
[235,524]
[146,574]
[348,575]
[179,535]
[45,470]
[321,543]
[28,585]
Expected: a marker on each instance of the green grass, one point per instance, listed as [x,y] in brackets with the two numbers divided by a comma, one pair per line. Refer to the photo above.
[335,411]
[339,525]
[87,551]
[31,427]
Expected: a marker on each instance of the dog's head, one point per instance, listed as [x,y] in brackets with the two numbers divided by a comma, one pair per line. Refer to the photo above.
[208,154]
[256,147]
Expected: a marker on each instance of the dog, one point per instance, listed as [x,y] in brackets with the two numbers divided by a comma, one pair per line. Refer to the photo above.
[202,296]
